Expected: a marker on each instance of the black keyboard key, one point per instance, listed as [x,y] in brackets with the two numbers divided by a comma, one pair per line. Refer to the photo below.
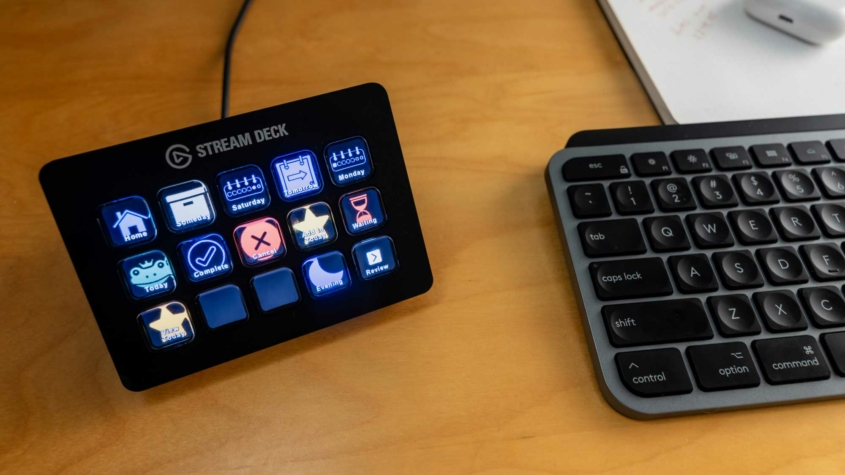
[795,223]
[654,373]
[756,188]
[837,148]
[738,270]
[809,153]
[780,311]
[771,155]
[650,323]
[715,191]
[752,226]
[831,180]
[831,219]
[795,359]
[709,230]
[795,185]
[596,168]
[651,164]
[731,158]
[589,201]
[615,237]
[734,315]
[825,261]
[631,197]
[782,266]
[834,343]
[693,273]
[723,366]
[673,194]
[666,233]
[824,305]
[691,161]
[630,278]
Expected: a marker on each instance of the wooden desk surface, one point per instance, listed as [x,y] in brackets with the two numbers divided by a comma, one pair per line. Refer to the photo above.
[487,373]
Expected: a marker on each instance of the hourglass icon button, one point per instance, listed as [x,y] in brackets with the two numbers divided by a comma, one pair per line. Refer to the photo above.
[362,210]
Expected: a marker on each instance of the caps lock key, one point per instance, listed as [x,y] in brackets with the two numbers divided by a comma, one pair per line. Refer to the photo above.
[630,278]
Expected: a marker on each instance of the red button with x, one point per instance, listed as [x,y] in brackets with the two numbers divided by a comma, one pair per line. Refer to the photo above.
[259,241]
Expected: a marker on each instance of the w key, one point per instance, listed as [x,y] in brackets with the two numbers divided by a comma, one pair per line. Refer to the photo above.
[710,230]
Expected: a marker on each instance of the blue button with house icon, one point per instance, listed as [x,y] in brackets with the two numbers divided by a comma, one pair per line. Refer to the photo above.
[128,222]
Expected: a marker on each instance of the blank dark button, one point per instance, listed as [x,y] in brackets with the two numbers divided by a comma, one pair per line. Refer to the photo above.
[738,270]
[673,194]
[650,323]
[834,343]
[614,237]
[824,305]
[771,155]
[837,147]
[809,153]
[731,158]
[651,164]
[715,191]
[825,261]
[589,201]
[709,230]
[831,219]
[666,233]
[734,315]
[795,185]
[831,180]
[780,311]
[795,223]
[653,373]
[782,266]
[630,278]
[693,274]
[596,168]
[752,226]
[631,197]
[795,359]
[723,366]
[756,188]
[691,161]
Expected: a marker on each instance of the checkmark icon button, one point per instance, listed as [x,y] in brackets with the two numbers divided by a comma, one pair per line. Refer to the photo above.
[205,257]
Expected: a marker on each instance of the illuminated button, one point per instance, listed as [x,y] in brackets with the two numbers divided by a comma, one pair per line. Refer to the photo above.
[243,190]
[362,211]
[186,206]
[349,161]
[148,274]
[128,222]
[167,325]
[375,257]
[259,241]
[297,175]
[326,273]
[275,289]
[312,225]
[222,306]
[205,257]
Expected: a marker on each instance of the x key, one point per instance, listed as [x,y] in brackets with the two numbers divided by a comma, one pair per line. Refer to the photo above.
[781,311]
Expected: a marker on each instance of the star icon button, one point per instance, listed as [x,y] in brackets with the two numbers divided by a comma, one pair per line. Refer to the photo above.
[312,225]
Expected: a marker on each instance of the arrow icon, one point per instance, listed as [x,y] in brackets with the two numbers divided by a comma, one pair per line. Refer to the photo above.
[178,157]
[300,175]
[633,365]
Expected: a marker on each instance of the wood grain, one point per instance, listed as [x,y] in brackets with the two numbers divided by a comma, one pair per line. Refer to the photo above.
[486,374]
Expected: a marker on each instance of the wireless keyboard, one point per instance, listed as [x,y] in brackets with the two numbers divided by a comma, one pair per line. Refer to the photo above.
[205,244]
[707,263]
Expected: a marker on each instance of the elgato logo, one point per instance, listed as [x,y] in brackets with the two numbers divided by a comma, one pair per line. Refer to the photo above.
[179,156]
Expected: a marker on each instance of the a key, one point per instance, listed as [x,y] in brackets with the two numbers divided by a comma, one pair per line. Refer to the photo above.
[715,191]
[673,194]
[837,147]
[756,188]
[654,373]
[831,180]
[738,270]
[588,201]
[734,315]
[831,219]
[795,359]
[691,161]
[795,185]
[666,233]
[782,266]
[596,168]
[723,366]
[651,164]
[824,305]
[834,343]
[693,274]
[630,278]
[752,226]
[795,223]
[780,311]
[731,158]
[771,155]
[615,237]
[631,197]
[709,230]
[825,261]
[649,323]
[809,153]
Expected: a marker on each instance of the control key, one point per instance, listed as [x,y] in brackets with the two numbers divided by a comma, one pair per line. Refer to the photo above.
[652,373]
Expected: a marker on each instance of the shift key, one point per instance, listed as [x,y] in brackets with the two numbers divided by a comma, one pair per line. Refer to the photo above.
[630,278]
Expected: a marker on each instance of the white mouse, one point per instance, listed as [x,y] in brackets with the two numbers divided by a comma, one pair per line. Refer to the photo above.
[815,21]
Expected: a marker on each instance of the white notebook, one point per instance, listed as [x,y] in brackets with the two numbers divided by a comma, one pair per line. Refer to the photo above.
[708,61]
